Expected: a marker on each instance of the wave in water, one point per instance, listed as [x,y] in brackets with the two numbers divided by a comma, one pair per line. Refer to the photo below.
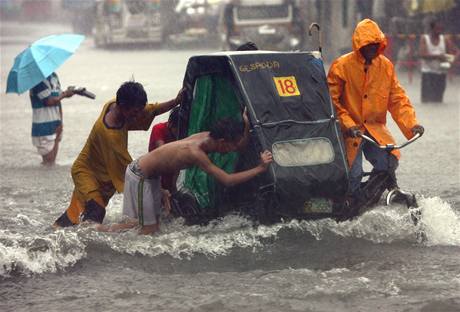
[29,253]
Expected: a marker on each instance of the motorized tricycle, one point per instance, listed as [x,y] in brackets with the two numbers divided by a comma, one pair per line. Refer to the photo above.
[291,114]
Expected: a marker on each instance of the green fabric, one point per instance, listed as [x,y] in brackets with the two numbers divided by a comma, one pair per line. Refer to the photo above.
[214,98]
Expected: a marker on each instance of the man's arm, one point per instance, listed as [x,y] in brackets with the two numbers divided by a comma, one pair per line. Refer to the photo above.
[452,48]
[336,86]
[152,110]
[245,139]
[55,100]
[167,106]
[227,179]
[400,107]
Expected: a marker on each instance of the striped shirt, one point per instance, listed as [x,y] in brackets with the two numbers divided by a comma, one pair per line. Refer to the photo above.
[45,119]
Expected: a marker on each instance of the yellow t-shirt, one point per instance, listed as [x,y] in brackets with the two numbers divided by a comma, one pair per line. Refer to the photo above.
[104,158]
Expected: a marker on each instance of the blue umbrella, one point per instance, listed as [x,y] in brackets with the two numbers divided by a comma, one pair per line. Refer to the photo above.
[40,60]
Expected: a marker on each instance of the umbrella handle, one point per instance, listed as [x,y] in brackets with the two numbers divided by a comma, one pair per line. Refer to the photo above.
[84,92]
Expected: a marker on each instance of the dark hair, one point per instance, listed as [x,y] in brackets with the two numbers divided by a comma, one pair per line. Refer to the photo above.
[435,21]
[248,46]
[174,118]
[228,129]
[131,94]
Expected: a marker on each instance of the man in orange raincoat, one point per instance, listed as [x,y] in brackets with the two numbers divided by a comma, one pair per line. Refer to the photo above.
[364,87]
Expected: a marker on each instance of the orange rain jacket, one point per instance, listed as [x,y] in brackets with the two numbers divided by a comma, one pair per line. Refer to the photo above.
[363,97]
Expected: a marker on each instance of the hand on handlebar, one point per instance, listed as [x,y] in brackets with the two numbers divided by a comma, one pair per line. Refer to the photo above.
[418,129]
[354,132]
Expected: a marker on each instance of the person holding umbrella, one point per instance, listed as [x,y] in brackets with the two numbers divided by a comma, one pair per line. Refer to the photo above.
[47,117]
[34,70]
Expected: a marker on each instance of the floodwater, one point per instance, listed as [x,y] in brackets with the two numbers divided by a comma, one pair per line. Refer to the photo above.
[373,263]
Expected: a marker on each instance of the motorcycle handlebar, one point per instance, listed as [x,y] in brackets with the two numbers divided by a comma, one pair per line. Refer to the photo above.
[390,147]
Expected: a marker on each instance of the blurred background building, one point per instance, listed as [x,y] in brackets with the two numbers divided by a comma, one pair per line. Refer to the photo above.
[272,24]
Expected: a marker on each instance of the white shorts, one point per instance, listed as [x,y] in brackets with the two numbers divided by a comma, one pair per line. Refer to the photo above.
[45,144]
[141,197]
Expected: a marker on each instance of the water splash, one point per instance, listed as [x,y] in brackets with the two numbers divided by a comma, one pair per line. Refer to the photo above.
[24,254]
[381,225]
[41,252]
[179,241]
[440,222]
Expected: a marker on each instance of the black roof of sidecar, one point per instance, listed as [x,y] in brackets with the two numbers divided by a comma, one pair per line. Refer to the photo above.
[253,74]
[287,97]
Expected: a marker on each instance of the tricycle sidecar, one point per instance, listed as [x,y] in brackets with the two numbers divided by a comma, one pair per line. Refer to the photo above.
[291,114]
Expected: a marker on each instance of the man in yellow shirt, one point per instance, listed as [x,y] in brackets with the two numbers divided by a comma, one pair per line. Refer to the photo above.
[99,170]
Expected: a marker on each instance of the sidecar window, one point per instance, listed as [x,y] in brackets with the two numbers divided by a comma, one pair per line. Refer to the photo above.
[303,152]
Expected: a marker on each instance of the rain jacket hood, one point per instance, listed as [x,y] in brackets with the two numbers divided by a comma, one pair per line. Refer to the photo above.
[367,32]
[363,93]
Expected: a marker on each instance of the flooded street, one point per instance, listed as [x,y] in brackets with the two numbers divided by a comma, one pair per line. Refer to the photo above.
[373,263]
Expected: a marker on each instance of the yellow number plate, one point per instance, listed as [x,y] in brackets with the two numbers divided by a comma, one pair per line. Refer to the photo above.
[286,86]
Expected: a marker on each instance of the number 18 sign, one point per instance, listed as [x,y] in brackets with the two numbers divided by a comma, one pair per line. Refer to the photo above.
[286,86]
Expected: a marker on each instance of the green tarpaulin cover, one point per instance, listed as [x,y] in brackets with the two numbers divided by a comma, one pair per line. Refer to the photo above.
[206,109]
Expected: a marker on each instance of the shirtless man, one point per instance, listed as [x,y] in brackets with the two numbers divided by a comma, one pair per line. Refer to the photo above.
[143,195]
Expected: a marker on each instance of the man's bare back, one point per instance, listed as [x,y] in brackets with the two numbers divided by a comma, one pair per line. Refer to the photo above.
[192,151]
[173,156]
